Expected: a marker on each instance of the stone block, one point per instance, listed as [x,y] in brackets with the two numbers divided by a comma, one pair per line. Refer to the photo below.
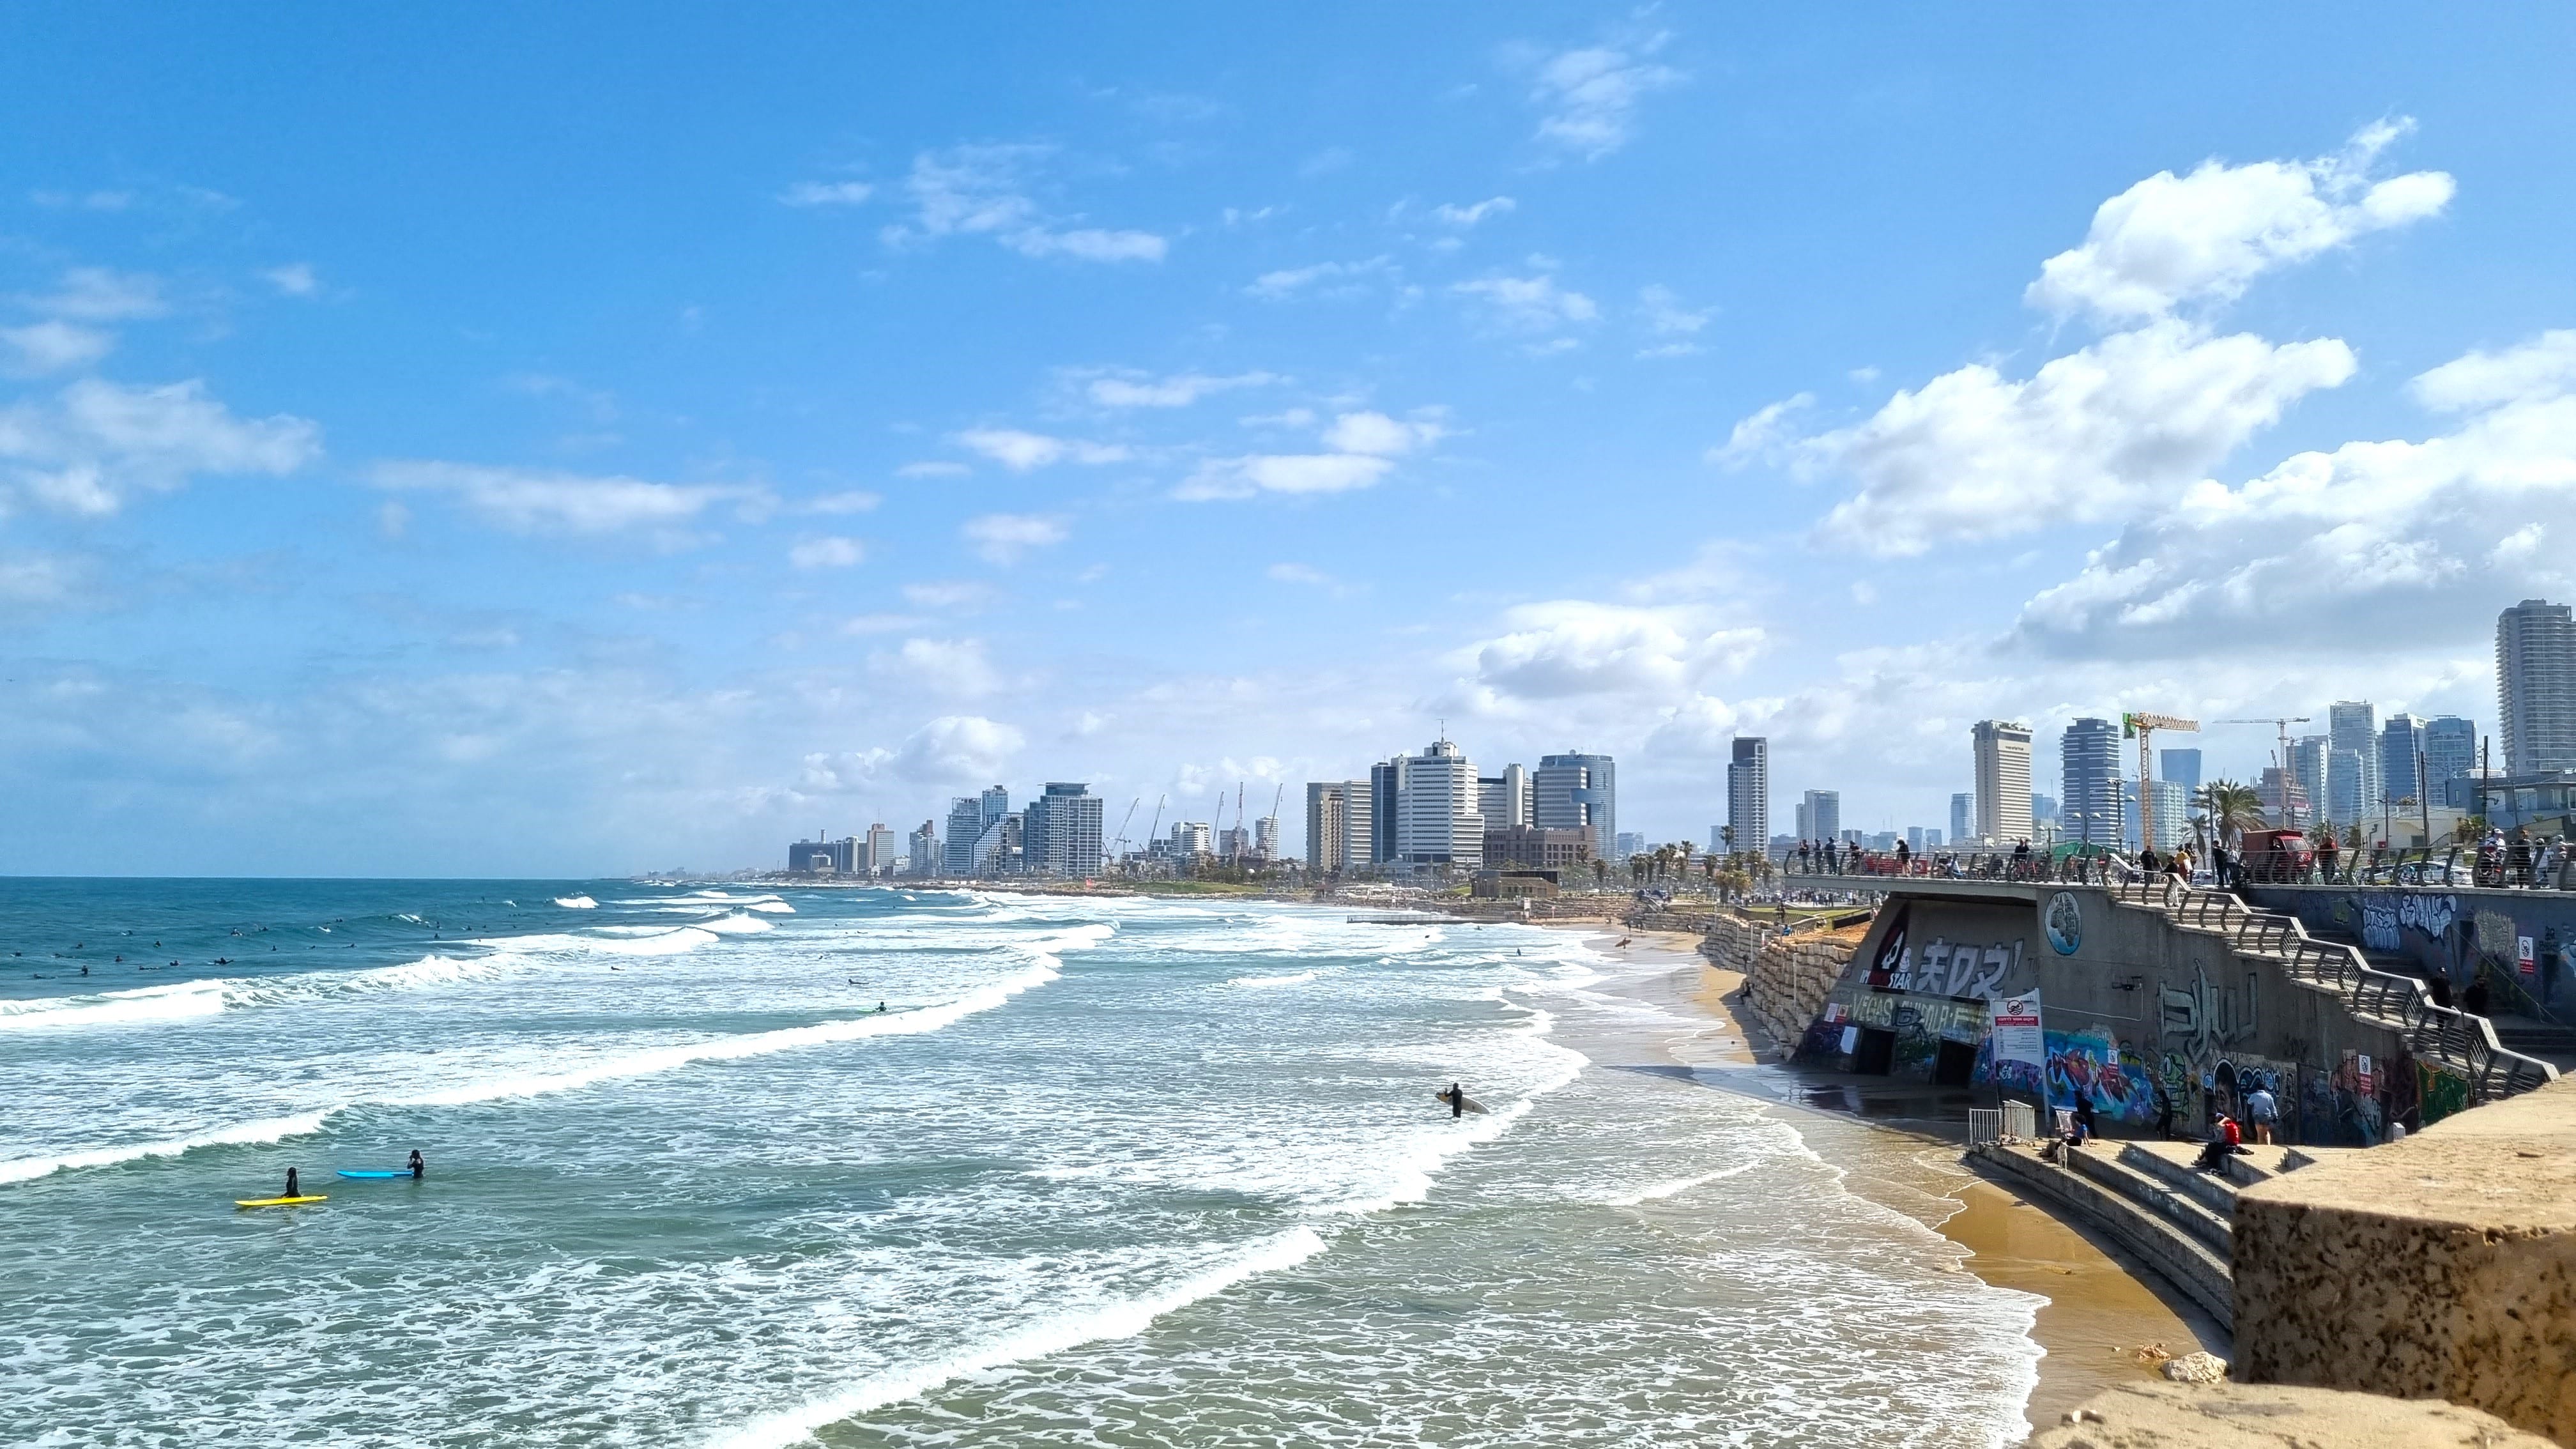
[2273,1416]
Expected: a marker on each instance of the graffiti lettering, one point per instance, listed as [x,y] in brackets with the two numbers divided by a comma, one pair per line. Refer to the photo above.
[2384,912]
[2201,1018]
[1942,969]
[2431,915]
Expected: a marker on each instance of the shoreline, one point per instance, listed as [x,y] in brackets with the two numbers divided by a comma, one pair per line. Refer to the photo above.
[2096,1305]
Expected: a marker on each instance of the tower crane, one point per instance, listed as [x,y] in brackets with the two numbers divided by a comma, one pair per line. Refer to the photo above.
[1155,831]
[1276,796]
[1120,842]
[2289,787]
[2144,726]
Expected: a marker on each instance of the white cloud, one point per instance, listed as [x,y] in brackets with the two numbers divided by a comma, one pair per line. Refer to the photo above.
[1588,98]
[296,279]
[1021,451]
[1464,217]
[2136,415]
[1527,304]
[97,294]
[826,193]
[2174,239]
[1003,538]
[1281,473]
[1378,435]
[54,346]
[855,500]
[1664,315]
[983,191]
[827,553]
[959,749]
[1324,279]
[949,667]
[1765,432]
[539,501]
[82,200]
[953,595]
[1572,648]
[1179,390]
[880,623]
[2367,547]
[95,441]
[2542,367]
[939,469]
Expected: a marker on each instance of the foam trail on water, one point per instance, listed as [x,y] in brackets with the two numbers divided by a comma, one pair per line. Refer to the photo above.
[577,903]
[1299,979]
[1663,1190]
[1118,1318]
[273,1129]
[177,1001]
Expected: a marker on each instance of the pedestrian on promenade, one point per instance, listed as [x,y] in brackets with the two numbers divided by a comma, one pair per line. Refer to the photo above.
[2164,1111]
[2474,1000]
[2439,988]
[2518,858]
[2264,1111]
[1904,857]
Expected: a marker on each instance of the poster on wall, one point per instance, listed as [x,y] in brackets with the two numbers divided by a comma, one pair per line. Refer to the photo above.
[1891,950]
[2525,957]
[2017,1049]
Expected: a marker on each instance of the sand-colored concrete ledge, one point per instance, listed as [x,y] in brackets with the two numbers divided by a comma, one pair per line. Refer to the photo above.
[2274,1416]
[2443,1266]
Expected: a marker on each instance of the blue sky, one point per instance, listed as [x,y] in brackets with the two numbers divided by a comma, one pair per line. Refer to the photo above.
[623,437]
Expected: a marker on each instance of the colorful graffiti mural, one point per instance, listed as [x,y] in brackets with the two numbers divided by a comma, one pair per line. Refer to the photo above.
[2439,1093]
[2109,1072]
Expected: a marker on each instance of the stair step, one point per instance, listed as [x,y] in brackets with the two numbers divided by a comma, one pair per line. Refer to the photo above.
[2170,1201]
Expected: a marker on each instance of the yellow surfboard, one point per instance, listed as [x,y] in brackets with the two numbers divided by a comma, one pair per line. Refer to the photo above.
[243,1202]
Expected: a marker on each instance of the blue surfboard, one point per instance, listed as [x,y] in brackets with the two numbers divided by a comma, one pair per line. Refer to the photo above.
[344,1172]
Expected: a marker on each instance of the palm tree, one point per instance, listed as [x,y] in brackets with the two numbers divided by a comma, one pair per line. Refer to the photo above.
[1681,857]
[2233,808]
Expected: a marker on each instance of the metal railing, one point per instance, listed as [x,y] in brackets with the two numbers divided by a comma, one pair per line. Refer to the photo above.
[1985,1124]
[2506,867]
[1860,868]
[2455,1038]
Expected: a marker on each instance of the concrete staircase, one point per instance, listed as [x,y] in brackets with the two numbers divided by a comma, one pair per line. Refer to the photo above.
[2468,1046]
[2175,1220]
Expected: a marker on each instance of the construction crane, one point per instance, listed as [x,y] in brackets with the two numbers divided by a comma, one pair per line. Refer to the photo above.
[2144,726]
[1119,844]
[1155,831]
[2289,786]
[1276,796]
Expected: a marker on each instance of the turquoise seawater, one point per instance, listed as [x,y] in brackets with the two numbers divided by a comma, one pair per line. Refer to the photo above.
[1103,1172]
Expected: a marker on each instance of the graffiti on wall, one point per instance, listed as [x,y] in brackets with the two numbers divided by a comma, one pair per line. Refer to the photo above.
[2205,1017]
[1939,968]
[2385,913]
[2440,1092]
[2110,1073]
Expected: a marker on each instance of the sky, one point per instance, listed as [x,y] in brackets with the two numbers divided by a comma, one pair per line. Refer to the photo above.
[615,438]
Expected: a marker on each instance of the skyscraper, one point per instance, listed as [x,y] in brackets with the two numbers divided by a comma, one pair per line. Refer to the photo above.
[1436,822]
[1326,801]
[925,849]
[2311,761]
[1963,817]
[2180,766]
[2536,687]
[1748,792]
[2450,753]
[2348,787]
[1382,813]
[1576,791]
[2352,726]
[965,824]
[1060,835]
[2091,800]
[1823,812]
[880,849]
[2400,740]
[1504,800]
[2002,750]
[1359,825]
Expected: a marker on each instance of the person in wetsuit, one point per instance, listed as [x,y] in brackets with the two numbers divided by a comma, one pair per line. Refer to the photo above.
[1457,1100]
[292,1189]
[417,1166]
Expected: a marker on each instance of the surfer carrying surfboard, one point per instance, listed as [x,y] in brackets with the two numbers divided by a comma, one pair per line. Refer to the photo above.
[1457,1109]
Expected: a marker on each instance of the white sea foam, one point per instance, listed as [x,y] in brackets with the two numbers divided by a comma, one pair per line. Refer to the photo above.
[273,1129]
[184,1000]
[176,1001]
[737,925]
[1297,979]
[577,903]
[1075,1326]
[773,907]
[1661,1190]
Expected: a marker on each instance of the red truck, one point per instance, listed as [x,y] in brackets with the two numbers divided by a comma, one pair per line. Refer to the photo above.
[2277,855]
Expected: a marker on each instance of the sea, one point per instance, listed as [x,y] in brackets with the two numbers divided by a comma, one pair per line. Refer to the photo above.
[724,1165]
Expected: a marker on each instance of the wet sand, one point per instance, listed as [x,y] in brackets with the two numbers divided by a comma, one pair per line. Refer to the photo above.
[2101,1306]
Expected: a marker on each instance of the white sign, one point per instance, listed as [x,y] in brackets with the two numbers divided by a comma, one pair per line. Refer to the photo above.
[2016,1030]
[1851,1039]
[2529,961]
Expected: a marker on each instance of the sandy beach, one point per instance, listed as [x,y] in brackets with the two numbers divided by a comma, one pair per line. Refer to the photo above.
[2101,1308]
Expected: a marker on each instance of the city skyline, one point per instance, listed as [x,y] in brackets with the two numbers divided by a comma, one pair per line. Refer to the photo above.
[911,404]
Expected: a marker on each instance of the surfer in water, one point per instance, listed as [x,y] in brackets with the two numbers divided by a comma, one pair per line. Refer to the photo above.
[293,1189]
[416,1165]
[1457,1101]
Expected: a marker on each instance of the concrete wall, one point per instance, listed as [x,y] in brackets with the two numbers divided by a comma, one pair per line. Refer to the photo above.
[1787,977]
[2132,1004]
[2443,1266]
[2447,932]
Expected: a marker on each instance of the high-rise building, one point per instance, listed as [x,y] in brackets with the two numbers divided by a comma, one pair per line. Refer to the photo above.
[2348,787]
[2352,727]
[1822,810]
[1060,834]
[1233,843]
[1383,779]
[2536,687]
[1505,799]
[2043,808]
[824,857]
[2173,814]
[925,849]
[2311,761]
[2180,766]
[1435,808]
[1963,818]
[2088,758]
[1359,825]
[995,803]
[1265,837]
[2401,739]
[2283,801]
[880,850]
[1000,849]
[1192,839]
[965,826]
[2450,753]
[2002,752]
[1326,801]
[1577,791]
[1748,791]
[1629,843]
